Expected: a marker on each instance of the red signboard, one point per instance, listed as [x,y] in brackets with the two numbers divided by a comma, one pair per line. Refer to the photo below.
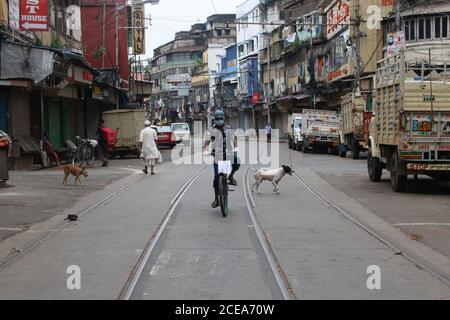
[256,96]
[33,15]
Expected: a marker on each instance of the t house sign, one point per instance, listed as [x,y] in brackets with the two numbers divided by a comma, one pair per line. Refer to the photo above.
[33,15]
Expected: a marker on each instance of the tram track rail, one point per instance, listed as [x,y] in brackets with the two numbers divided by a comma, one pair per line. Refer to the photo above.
[35,243]
[275,266]
[133,279]
[397,249]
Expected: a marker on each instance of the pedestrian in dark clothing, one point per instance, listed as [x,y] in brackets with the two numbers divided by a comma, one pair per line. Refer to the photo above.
[103,152]
[269,132]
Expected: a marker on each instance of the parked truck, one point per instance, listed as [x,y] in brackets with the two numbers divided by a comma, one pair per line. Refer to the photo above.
[320,131]
[356,112]
[295,123]
[410,129]
[128,123]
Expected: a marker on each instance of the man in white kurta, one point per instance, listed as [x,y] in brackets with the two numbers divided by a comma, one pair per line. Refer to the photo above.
[149,148]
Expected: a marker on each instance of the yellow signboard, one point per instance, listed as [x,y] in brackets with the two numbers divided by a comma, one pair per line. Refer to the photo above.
[138,24]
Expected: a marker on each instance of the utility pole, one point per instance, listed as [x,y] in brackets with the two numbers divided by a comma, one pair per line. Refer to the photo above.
[311,46]
[117,82]
[358,71]
[398,21]
[269,98]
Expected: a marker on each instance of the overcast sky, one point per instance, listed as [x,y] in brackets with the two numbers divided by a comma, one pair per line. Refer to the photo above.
[170,16]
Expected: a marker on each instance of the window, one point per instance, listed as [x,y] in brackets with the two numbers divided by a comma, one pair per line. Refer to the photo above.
[251,46]
[444,27]
[428,28]
[281,15]
[437,27]
[227,32]
[219,32]
[241,50]
[421,29]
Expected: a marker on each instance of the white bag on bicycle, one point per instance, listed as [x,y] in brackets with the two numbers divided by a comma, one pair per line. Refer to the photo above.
[224,167]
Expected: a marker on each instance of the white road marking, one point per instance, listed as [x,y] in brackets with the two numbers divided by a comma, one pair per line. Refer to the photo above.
[421,224]
[11,229]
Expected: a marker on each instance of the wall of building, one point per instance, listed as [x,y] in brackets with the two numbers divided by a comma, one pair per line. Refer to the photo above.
[98,29]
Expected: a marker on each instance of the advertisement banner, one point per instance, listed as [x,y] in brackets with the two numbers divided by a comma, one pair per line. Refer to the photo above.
[33,15]
[338,18]
[396,42]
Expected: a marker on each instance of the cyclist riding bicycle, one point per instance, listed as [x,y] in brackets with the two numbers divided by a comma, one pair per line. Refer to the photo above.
[224,147]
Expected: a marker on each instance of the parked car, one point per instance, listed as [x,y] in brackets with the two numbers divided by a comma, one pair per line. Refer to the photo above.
[182,132]
[166,137]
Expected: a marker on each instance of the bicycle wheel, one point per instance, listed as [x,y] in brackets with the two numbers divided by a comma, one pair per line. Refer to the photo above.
[90,156]
[78,157]
[223,195]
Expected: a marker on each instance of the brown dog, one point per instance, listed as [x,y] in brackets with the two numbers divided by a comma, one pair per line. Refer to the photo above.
[75,171]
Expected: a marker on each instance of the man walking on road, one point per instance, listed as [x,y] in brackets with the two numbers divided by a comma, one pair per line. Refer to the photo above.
[269,132]
[149,148]
[103,152]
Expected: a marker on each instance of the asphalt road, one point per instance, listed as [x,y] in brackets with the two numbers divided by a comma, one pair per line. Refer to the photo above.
[200,255]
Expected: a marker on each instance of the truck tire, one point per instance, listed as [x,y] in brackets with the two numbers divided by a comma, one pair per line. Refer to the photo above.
[342,151]
[374,169]
[355,149]
[305,147]
[398,180]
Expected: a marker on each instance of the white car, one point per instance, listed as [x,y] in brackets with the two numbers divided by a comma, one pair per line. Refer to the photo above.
[182,132]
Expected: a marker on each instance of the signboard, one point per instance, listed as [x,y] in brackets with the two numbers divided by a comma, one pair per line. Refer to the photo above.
[256,96]
[33,15]
[338,17]
[341,72]
[138,24]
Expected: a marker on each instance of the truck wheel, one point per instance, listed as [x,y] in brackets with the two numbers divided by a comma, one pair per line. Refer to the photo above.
[342,151]
[305,148]
[374,168]
[355,149]
[398,180]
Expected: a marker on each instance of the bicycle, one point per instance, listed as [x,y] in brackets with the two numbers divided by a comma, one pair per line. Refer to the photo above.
[85,152]
[225,167]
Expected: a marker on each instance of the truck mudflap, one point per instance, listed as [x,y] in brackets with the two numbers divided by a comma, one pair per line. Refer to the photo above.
[425,167]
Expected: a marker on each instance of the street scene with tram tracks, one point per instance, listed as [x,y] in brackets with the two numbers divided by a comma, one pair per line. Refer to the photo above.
[278,150]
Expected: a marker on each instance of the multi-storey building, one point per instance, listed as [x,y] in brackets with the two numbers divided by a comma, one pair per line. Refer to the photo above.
[226,91]
[179,57]
[46,87]
[256,20]
[424,26]
[220,34]
[196,54]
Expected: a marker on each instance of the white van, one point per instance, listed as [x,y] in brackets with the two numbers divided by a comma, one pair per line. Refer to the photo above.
[182,132]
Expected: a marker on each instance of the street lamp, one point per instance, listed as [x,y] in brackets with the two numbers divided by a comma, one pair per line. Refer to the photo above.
[118,8]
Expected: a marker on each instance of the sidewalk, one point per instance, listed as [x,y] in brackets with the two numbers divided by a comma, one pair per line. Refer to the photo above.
[31,197]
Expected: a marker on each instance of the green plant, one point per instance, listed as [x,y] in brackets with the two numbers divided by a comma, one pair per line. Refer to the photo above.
[100,52]
[57,43]
[38,41]
[198,62]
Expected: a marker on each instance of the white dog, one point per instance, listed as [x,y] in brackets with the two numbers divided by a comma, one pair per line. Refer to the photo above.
[274,176]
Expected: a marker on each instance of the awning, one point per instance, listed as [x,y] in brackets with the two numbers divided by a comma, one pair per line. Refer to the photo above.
[15,83]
